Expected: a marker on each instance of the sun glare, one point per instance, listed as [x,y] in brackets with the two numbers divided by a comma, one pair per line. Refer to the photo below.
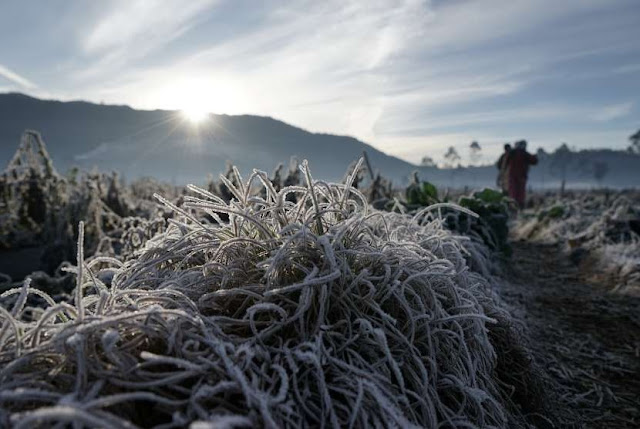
[196,98]
[195,115]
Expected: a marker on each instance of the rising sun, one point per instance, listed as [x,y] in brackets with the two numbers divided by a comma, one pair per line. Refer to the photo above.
[195,115]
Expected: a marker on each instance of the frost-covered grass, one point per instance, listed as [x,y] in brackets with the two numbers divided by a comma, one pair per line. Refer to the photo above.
[601,227]
[40,210]
[318,312]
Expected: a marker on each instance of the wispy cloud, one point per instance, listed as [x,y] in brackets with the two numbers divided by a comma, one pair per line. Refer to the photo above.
[14,77]
[614,111]
[436,123]
[403,75]
[628,68]
[132,29]
[147,22]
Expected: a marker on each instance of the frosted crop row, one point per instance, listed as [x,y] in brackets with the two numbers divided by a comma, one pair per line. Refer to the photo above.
[600,229]
[295,312]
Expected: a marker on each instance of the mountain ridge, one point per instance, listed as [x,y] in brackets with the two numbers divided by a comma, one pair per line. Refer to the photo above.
[163,144]
[76,128]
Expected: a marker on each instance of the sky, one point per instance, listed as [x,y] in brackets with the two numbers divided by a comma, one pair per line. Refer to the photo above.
[408,77]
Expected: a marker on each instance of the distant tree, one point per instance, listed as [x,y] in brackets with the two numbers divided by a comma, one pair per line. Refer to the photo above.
[474,153]
[635,142]
[427,161]
[600,170]
[451,157]
[560,160]
[541,153]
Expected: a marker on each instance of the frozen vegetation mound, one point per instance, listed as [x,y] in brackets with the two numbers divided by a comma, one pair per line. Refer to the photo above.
[301,307]
[40,210]
[598,229]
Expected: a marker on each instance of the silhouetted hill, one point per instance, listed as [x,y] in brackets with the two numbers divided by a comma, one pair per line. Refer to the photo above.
[162,144]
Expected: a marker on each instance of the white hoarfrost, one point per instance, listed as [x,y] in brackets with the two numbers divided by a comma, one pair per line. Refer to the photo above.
[602,227]
[320,312]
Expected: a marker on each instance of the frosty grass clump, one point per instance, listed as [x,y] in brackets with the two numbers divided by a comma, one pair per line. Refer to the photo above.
[305,308]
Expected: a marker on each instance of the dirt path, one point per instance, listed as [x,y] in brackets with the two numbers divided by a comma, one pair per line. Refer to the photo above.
[587,341]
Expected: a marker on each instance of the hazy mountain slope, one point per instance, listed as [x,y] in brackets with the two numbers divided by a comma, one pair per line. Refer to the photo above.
[161,143]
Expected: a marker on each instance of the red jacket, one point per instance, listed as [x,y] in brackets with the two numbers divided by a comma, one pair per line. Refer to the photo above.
[519,162]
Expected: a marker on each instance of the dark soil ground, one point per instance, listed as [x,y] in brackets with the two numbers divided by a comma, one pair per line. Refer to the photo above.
[18,264]
[585,339]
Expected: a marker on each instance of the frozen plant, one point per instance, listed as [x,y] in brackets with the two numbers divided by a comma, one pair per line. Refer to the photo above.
[318,312]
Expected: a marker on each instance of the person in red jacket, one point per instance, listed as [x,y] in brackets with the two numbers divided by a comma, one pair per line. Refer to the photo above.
[519,162]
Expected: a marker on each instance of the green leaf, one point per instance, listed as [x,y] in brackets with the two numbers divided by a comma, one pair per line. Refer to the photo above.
[490,196]
[430,190]
[556,212]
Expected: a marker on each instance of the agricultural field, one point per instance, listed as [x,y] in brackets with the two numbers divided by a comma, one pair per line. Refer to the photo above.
[598,230]
[278,300]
